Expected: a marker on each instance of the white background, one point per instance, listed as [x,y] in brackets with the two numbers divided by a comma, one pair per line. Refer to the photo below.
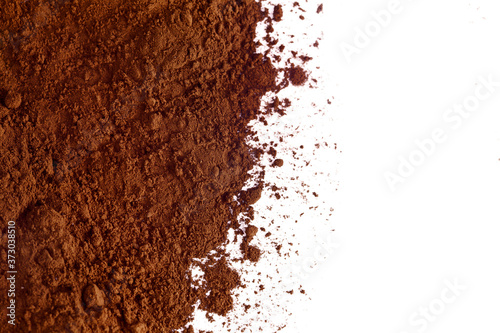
[398,248]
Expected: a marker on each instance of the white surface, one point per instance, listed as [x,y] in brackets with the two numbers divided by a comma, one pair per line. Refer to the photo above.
[398,248]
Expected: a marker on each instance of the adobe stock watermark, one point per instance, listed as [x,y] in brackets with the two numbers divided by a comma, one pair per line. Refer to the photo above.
[363,36]
[11,273]
[423,317]
[453,119]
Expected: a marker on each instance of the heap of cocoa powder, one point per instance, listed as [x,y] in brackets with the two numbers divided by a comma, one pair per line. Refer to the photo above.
[123,155]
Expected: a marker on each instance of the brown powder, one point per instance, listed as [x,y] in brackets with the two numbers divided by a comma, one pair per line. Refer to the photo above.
[297,75]
[221,280]
[278,13]
[278,162]
[122,145]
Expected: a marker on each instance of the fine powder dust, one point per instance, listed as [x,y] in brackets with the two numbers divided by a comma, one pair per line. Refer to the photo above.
[123,156]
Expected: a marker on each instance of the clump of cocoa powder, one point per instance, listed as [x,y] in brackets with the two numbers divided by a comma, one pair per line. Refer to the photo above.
[297,75]
[278,13]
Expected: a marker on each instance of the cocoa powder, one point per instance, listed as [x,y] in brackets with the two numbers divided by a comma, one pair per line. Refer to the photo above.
[297,75]
[122,148]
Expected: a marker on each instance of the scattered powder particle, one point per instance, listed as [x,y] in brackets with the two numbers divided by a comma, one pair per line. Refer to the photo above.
[297,75]
[278,162]
[278,13]
[305,58]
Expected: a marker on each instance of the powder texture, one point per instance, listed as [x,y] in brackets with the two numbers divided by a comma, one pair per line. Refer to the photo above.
[297,75]
[122,148]
[278,13]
